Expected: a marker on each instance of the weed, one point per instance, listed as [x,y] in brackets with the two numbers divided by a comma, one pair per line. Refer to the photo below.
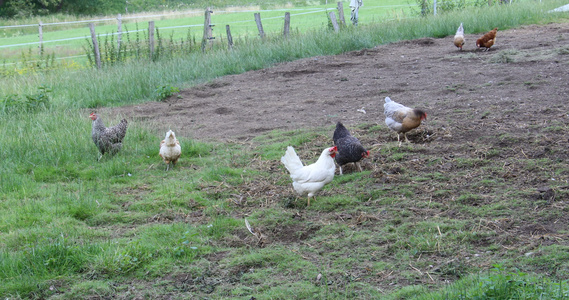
[165,91]
[29,103]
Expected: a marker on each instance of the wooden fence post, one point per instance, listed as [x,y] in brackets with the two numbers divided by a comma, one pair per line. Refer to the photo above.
[341,13]
[40,28]
[259,25]
[207,28]
[95,45]
[229,37]
[119,32]
[151,38]
[334,22]
[286,24]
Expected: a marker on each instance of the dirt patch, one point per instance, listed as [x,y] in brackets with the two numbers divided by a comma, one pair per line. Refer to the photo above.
[495,94]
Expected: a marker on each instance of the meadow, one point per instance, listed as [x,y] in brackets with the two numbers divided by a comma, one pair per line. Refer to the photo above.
[67,40]
[75,228]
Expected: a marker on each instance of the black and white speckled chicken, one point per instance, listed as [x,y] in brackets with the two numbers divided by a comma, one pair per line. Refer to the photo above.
[107,140]
[350,150]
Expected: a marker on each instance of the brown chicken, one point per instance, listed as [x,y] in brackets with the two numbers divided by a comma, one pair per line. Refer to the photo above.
[401,118]
[487,40]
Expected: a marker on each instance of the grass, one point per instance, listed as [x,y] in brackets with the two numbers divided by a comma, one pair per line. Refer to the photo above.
[73,227]
[176,26]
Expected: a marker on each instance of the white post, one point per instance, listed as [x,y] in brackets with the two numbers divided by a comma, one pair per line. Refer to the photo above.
[435,7]
[41,36]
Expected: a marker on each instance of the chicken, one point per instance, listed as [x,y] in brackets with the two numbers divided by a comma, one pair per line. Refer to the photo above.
[350,150]
[312,178]
[108,140]
[401,118]
[170,149]
[459,37]
[487,40]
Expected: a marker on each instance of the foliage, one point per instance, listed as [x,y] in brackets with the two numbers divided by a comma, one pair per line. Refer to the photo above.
[137,48]
[165,91]
[426,7]
[30,63]
[27,103]
[27,8]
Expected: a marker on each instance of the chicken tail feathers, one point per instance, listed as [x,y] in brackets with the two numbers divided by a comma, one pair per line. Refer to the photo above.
[340,132]
[460,30]
[291,161]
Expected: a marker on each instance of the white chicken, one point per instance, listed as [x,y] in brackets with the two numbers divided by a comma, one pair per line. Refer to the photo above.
[312,178]
[459,37]
[170,149]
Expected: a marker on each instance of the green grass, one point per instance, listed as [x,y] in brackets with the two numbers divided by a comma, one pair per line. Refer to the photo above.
[498,283]
[241,20]
[71,225]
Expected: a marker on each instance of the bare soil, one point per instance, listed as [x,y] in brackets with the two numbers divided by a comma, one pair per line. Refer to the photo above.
[506,107]
[521,81]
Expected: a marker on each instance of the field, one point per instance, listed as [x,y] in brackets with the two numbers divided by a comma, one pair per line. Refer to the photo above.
[474,207]
[66,38]
[484,181]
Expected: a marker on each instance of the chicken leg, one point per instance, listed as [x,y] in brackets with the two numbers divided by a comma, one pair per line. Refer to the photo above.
[406,139]
[309,200]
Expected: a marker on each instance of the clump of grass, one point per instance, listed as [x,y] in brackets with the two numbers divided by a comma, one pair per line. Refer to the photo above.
[505,56]
[498,283]
[563,50]
[40,100]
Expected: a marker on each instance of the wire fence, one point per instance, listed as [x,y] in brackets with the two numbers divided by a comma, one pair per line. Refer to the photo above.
[241,20]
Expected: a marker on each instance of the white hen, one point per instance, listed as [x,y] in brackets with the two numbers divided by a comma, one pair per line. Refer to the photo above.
[459,37]
[312,178]
[170,149]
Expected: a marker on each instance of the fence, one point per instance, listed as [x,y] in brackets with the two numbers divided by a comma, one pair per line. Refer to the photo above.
[242,23]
